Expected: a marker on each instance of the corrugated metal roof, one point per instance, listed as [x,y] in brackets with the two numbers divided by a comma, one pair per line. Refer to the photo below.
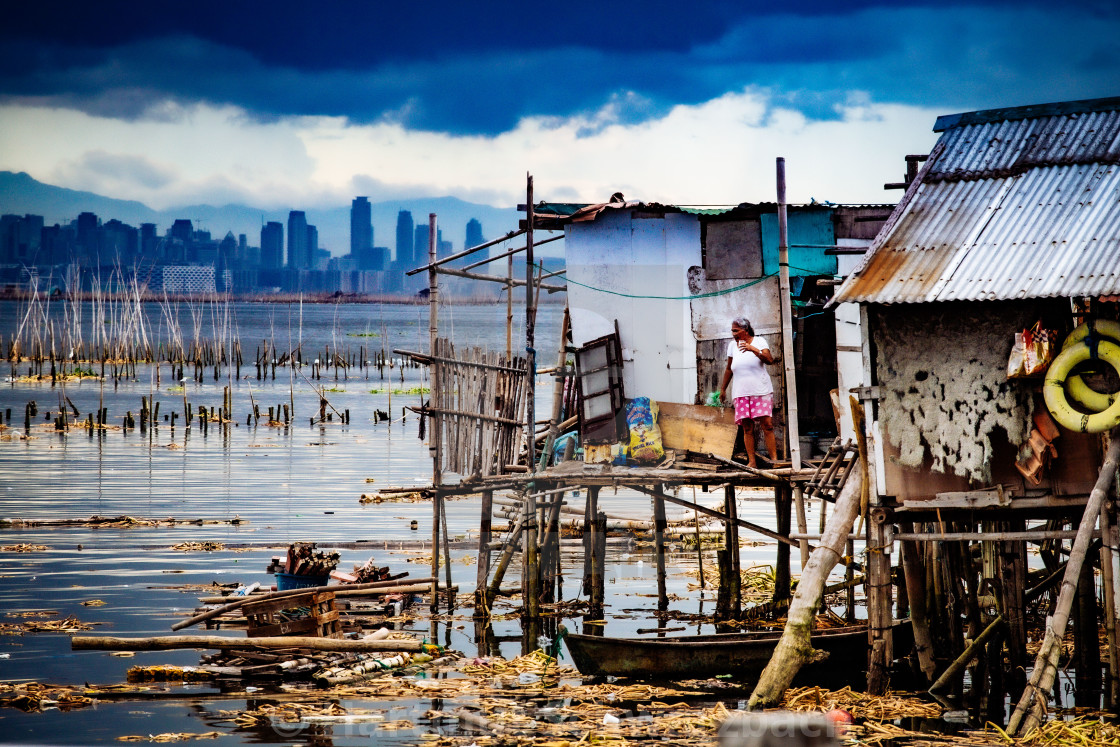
[1005,209]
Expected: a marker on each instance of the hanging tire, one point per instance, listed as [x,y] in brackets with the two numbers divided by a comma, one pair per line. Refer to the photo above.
[1054,387]
[1076,388]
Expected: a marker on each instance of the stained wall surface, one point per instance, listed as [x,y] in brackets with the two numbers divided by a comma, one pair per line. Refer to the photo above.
[944,392]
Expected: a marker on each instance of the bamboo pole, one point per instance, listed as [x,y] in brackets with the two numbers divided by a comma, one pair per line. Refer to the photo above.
[914,576]
[659,551]
[530,564]
[435,432]
[1028,712]
[969,654]
[1108,599]
[226,643]
[792,432]
[485,527]
[530,329]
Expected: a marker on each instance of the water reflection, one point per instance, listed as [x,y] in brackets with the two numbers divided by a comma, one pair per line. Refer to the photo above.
[253,488]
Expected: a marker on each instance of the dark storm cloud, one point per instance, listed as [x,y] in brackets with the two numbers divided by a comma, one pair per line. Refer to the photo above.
[479,68]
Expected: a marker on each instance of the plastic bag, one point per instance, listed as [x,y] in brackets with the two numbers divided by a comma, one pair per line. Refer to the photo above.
[1039,352]
[1032,352]
[645,436]
[713,400]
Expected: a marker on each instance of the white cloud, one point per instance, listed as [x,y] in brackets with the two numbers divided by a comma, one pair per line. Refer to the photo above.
[718,152]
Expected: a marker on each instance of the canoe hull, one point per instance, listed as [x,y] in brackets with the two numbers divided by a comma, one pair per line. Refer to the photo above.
[691,657]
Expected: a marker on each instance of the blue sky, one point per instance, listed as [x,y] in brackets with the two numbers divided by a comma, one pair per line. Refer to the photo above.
[306,104]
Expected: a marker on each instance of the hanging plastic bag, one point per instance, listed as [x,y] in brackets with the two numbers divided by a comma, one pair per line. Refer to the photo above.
[1039,351]
[1032,352]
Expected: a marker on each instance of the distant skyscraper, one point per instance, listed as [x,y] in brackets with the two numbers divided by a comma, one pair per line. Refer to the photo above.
[272,245]
[404,240]
[474,238]
[420,245]
[474,233]
[312,246]
[299,258]
[361,226]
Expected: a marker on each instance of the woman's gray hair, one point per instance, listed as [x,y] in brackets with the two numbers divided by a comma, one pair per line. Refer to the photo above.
[743,323]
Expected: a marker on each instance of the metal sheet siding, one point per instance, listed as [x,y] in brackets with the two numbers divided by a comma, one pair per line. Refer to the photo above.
[1017,209]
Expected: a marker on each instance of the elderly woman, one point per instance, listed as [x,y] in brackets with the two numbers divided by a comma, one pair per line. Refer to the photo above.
[753,394]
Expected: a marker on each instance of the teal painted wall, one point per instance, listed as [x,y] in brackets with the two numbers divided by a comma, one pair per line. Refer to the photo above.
[812,227]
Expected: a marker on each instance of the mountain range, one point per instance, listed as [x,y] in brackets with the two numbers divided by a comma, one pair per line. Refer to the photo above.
[21,194]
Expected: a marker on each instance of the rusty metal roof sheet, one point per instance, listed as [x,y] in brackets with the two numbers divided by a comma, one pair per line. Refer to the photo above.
[1007,207]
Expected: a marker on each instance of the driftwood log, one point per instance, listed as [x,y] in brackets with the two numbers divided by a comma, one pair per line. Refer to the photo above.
[1028,713]
[794,649]
[167,642]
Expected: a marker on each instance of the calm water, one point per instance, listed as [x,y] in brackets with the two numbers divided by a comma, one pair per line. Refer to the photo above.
[300,483]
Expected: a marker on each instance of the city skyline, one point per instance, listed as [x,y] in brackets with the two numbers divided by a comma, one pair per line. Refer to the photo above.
[81,254]
[288,106]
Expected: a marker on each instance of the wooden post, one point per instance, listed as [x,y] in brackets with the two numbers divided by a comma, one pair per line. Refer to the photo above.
[731,542]
[723,591]
[1108,601]
[879,602]
[1028,712]
[590,511]
[1087,647]
[699,544]
[550,548]
[792,431]
[504,561]
[530,332]
[598,564]
[802,523]
[914,575]
[1013,579]
[782,507]
[485,525]
[434,434]
[530,562]
[659,550]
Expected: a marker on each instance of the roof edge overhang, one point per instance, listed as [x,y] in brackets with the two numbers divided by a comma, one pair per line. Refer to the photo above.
[985,116]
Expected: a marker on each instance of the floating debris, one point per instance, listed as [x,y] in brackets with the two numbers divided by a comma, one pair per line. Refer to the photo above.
[198,547]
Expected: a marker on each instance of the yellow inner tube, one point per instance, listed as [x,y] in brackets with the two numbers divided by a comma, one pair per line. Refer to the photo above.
[1054,388]
[1076,387]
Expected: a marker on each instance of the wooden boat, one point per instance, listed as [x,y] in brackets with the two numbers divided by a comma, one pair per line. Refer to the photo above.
[698,656]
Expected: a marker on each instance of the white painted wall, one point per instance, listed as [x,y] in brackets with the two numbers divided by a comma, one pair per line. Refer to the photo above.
[849,363]
[614,265]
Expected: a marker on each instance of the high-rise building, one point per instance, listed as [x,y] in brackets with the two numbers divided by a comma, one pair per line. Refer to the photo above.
[149,240]
[361,226]
[272,245]
[474,238]
[312,247]
[299,258]
[404,240]
[420,247]
[474,233]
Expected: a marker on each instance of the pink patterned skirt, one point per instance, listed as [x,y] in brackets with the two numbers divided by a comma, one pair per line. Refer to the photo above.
[753,407]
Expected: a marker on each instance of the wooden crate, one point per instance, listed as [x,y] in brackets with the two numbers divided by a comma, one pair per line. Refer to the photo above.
[267,617]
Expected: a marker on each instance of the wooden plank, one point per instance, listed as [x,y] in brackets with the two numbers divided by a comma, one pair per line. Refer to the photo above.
[983,498]
[705,430]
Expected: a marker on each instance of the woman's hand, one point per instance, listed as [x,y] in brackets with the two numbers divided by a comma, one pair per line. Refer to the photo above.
[746,347]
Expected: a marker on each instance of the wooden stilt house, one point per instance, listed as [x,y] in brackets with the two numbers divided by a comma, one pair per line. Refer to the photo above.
[987,490]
